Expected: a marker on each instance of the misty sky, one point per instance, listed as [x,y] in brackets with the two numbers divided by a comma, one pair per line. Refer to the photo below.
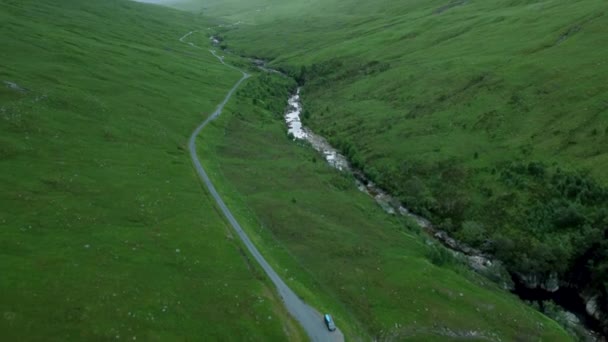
[158,1]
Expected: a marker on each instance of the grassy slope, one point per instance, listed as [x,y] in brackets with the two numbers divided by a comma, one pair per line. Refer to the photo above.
[437,100]
[337,248]
[448,73]
[104,230]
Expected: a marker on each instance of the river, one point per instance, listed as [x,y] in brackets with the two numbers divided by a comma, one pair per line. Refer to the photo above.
[573,307]
[476,259]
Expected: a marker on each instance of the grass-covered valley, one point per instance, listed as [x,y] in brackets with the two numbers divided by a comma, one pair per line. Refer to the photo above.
[338,248]
[487,118]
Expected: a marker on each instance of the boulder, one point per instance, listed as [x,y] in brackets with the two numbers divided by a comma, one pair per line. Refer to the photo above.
[551,284]
[592,306]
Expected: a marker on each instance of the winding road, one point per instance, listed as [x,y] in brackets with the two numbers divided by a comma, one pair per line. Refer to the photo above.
[309,318]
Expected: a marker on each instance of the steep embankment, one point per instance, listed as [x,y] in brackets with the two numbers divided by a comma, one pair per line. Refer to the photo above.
[490,118]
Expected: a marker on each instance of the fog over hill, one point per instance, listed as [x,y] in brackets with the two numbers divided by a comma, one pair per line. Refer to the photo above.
[158,1]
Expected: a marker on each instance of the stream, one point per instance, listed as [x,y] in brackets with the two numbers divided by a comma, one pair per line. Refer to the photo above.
[476,259]
[567,298]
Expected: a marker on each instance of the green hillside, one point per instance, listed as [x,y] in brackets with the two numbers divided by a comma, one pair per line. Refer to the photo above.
[376,274]
[488,117]
[105,233]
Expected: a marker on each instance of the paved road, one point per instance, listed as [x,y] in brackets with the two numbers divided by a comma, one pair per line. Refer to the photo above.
[310,319]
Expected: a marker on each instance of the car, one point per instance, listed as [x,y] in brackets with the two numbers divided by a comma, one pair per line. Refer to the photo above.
[329,322]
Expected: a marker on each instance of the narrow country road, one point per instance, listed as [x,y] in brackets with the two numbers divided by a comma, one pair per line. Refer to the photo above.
[309,318]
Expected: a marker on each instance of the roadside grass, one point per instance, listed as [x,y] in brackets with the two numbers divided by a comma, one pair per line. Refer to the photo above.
[105,231]
[336,247]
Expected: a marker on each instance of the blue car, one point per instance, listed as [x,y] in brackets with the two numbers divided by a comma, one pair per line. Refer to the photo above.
[329,322]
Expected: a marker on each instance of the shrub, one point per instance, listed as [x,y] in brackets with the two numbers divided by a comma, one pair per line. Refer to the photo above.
[536,169]
[499,275]
[440,256]
[342,181]
[473,233]
[568,217]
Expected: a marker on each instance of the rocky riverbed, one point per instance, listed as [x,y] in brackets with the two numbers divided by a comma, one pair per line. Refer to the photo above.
[532,288]
[476,259]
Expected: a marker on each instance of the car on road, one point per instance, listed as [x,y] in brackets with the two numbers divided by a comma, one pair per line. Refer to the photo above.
[329,322]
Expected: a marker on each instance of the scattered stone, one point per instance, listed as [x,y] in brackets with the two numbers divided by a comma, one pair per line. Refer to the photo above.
[14,86]
[479,263]
[571,318]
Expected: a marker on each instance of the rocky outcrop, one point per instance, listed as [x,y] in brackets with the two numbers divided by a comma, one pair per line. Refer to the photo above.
[551,284]
[456,245]
[548,283]
[592,305]
[597,308]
